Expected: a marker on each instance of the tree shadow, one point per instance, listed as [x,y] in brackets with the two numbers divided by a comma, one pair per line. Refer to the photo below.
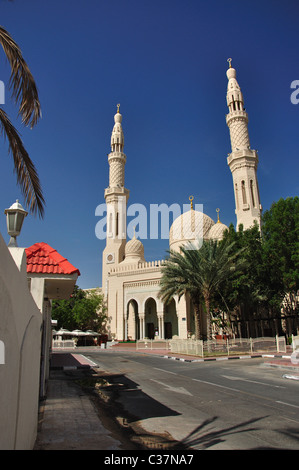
[292,433]
[202,438]
[119,390]
[138,404]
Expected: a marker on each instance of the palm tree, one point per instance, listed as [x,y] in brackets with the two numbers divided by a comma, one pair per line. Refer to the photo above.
[178,279]
[25,95]
[199,272]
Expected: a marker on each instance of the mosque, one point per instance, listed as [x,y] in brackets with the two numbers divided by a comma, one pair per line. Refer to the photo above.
[129,283]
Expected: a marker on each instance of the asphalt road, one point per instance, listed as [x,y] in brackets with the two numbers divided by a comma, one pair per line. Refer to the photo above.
[223,405]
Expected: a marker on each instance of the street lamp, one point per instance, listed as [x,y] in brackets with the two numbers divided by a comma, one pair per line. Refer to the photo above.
[15,216]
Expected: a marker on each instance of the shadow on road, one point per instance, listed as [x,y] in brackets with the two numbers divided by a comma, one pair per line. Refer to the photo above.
[203,438]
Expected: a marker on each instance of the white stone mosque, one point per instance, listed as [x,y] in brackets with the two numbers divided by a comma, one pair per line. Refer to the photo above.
[131,284]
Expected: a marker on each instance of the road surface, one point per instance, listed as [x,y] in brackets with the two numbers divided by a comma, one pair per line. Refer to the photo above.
[221,405]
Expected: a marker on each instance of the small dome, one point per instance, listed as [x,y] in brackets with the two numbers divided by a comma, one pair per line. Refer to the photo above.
[134,250]
[217,231]
[231,73]
[117,117]
[189,226]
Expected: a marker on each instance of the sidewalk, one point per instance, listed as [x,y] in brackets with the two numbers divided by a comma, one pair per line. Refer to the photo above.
[70,421]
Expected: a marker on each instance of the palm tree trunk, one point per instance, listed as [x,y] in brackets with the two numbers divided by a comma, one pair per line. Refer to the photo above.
[197,321]
[207,306]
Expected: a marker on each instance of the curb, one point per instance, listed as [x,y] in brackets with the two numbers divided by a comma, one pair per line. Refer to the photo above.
[209,359]
[77,362]
[292,377]
[84,366]
[88,364]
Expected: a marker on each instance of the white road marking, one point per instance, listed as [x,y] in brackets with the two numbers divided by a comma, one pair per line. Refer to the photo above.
[168,371]
[230,377]
[173,389]
[217,385]
[288,404]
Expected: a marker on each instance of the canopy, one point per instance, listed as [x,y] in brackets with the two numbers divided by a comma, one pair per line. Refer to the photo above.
[78,333]
[62,331]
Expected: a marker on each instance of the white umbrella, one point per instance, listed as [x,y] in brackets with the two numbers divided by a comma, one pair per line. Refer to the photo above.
[62,331]
[92,333]
[78,333]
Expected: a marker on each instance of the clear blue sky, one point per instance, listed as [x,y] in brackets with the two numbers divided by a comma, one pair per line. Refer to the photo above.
[165,62]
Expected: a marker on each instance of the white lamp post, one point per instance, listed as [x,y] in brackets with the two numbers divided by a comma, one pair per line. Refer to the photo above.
[15,216]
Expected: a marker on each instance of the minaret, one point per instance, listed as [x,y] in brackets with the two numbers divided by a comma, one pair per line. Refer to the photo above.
[242,160]
[116,196]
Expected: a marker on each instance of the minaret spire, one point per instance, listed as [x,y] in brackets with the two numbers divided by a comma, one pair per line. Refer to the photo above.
[117,136]
[237,119]
[116,196]
[242,160]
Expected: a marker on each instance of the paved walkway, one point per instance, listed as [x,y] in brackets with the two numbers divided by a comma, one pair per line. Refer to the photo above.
[68,418]
[70,421]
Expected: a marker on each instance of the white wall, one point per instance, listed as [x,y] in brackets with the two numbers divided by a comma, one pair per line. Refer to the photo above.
[20,333]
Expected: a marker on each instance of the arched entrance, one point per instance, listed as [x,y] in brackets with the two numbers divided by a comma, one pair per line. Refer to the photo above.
[132,320]
[151,319]
[170,320]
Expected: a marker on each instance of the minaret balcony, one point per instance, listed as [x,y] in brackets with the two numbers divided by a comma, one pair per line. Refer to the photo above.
[117,156]
[235,115]
[238,157]
[116,191]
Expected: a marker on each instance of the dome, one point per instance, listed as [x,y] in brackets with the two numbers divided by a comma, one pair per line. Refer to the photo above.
[217,231]
[134,250]
[231,73]
[118,117]
[189,226]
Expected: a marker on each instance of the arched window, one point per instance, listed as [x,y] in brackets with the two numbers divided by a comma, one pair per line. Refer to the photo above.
[252,193]
[237,196]
[243,192]
[116,224]
[110,225]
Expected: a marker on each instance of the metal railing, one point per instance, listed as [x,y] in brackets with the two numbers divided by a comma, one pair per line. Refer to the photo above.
[63,344]
[295,342]
[153,344]
[229,347]
[187,346]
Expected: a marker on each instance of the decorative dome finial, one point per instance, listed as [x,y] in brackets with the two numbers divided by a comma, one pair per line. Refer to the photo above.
[218,221]
[118,108]
[230,62]
[191,201]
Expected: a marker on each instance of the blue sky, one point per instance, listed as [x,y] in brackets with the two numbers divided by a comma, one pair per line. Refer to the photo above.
[165,62]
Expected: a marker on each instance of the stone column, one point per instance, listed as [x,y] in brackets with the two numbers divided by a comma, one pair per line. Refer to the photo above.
[161,333]
[141,324]
[125,327]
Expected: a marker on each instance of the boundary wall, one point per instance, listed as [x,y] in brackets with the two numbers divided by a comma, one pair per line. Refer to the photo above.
[20,353]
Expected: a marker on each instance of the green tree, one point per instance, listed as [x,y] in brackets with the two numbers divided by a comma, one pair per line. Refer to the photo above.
[85,310]
[272,264]
[24,92]
[280,232]
[247,288]
[199,272]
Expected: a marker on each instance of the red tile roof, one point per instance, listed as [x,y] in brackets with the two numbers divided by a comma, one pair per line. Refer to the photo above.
[43,259]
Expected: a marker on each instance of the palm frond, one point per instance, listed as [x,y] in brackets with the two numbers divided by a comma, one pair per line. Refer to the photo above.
[24,168]
[22,83]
